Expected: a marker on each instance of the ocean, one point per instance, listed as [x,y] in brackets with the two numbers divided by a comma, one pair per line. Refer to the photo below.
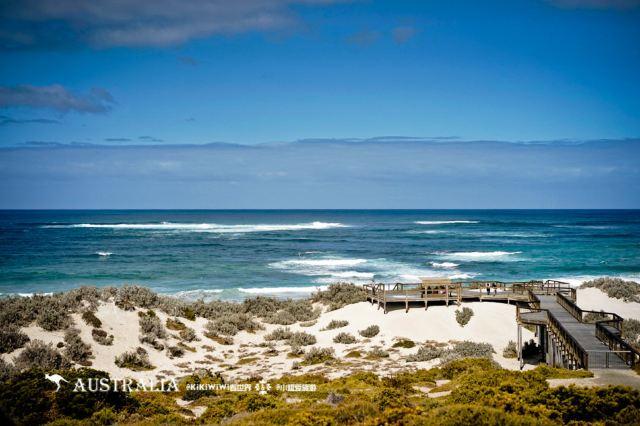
[289,253]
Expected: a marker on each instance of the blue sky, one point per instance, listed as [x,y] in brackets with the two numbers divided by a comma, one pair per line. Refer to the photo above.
[186,72]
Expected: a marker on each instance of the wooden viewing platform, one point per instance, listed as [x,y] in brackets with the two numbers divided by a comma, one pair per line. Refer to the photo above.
[570,336]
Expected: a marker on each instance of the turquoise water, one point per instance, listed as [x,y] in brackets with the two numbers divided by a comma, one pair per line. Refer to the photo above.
[234,254]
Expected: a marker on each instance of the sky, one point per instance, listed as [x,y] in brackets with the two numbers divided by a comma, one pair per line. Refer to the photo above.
[319,104]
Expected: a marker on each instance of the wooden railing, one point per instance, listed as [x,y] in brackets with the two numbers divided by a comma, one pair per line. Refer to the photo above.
[607,318]
[629,354]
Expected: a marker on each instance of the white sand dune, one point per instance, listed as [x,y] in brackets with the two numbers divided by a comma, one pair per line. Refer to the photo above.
[492,323]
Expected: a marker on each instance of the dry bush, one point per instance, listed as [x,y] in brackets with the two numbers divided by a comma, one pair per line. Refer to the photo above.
[37,354]
[150,339]
[339,295]
[232,324]
[426,353]
[91,319]
[175,324]
[101,337]
[333,324]
[345,338]
[376,353]
[7,370]
[150,324]
[188,335]
[370,331]
[631,332]
[53,319]
[75,349]
[301,338]
[138,296]
[467,349]
[175,351]
[137,360]
[629,291]
[280,333]
[11,338]
[511,350]
[464,316]
[318,355]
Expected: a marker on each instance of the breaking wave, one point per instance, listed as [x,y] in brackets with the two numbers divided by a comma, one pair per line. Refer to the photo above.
[205,227]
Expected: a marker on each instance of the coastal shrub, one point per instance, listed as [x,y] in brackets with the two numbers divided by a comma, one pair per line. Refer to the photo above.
[339,295]
[333,324]
[511,350]
[593,317]
[630,331]
[345,338]
[175,351]
[425,353]
[138,296]
[215,309]
[232,324]
[188,313]
[37,354]
[188,334]
[467,349]
[175,324]
[464,316]
[137,360]
[308,323]
[7,370]
[91,319]
[150,324]
[370,331]
[261,306]
[150,339]
[402,342]
[102,337]
[301,338]
[280,333]
[282,318]
[293,311]
[617,288]
[75,349]
[317,355]
[11,338]
[296,351]
[16,311]
[53,319]
[376,353]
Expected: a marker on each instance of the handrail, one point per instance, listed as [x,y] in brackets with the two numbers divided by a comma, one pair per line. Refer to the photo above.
[578,312]
[617,344]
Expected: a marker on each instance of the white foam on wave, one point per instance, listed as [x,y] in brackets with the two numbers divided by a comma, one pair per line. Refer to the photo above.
[443,222]
[480,256]
[444,265]
[428,231]
[204,294]
[104,253]
[280,290]
[206,227]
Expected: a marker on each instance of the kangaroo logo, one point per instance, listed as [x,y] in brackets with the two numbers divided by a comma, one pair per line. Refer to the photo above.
[55,378]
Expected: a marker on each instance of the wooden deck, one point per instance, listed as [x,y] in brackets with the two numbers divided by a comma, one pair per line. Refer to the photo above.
[579,338]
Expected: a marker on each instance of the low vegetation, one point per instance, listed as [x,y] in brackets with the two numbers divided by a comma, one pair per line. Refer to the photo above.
[345,338]
[75,349]
[629,291]
[339,295]
[630,330]
[317,355]
[370,331]
[405,343]
[37,354]
[11,338]
[458,350]
[333,324]
[511,350]
[91,319]
[480,393]
[463,316]
[137,360]
[102,337]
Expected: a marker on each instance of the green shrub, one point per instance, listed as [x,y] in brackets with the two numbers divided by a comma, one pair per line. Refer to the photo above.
[345,338]
[175,324]
[7,370]
[339,295]
[37,354]
[137,360]
[629,291]
[280,333]
[151,325]
[141,297]
[231,324]
[188,335]
[75,349]
[11,338]
[630,330]
[511,350]
[376,353]
[426,353]
[91,319]
[370,331]
[464,316]
[404,343]
[293,311]
[53,319]
[262,306]
[318,355]
[333,324]
[467,349]
[301,338]
[101,337]
[175,351]
[189,313]
[151,340]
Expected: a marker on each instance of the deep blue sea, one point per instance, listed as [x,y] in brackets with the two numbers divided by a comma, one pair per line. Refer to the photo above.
[234,254]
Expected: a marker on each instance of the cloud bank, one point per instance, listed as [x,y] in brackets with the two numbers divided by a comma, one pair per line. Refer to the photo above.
[375,173]
[108,23]
[56,97]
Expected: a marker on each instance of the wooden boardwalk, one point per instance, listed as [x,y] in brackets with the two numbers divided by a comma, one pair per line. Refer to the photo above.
[572,337]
